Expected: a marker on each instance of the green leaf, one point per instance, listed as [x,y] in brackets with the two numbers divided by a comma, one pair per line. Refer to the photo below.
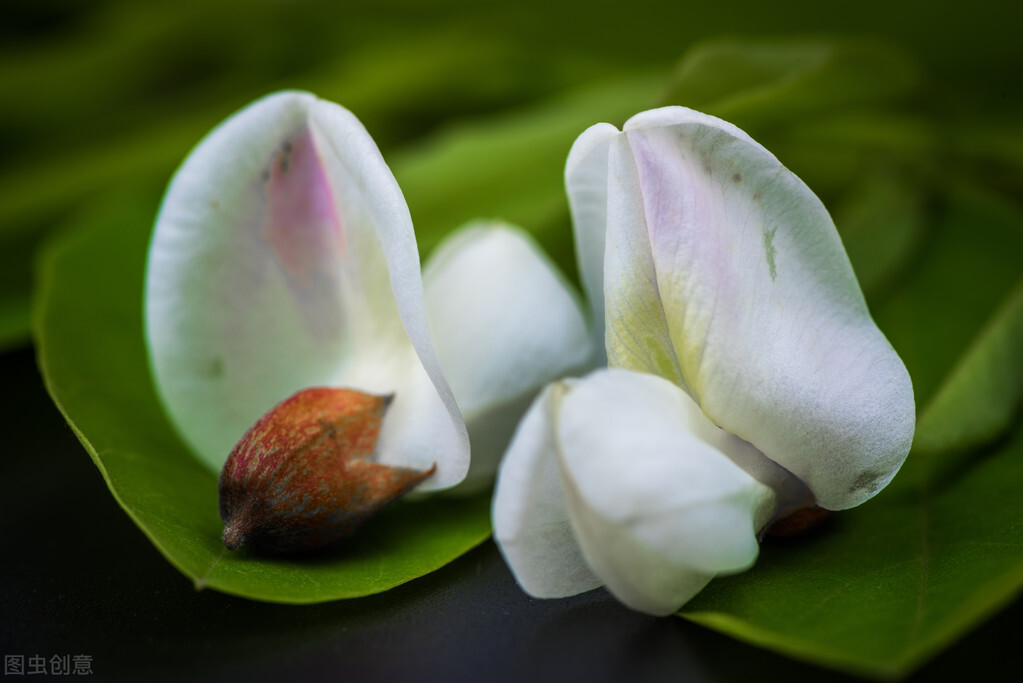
[512,166]
[15,278]
[88,326]
[508,166]
[881,222]
[384,84]
[16,252]
[830,109]
[764,82]
[14,319]
[888,584]
[969,263]
[884,586]
[979,400]
[834,151]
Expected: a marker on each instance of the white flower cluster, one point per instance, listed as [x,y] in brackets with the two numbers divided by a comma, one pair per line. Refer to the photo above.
[735,372]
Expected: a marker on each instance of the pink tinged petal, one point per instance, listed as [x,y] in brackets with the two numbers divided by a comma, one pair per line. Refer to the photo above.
[272,269]
[396,353]
[301,223]
[531,523]
[505,323]
[637,335]
[762,315]
[657,510]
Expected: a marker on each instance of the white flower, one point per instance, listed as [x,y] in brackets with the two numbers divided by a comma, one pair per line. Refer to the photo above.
[766,386]
[284,257]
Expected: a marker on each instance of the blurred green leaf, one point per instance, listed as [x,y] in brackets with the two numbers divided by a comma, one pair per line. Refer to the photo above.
[15,313]
[88,328]
[881,221]
[886,585]
[969,263]
[15,279]
[997,136]
[394,88]
[835,111]
[137,122]
[983,394]
[760,83]
[841,150]
[512,166]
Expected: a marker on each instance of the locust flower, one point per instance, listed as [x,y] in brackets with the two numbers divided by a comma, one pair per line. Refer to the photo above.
[284,258]
[746,377]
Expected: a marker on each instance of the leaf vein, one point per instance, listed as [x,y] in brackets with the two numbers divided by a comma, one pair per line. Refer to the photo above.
[840,590]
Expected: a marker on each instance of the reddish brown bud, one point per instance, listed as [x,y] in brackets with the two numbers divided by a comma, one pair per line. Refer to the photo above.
[303,476]
[798,523]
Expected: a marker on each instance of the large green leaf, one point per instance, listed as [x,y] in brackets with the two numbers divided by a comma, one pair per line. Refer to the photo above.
[888,584]
[89,333]
[982,396]
[884,586]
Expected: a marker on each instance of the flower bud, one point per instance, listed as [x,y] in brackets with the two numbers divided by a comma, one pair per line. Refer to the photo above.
[304,474]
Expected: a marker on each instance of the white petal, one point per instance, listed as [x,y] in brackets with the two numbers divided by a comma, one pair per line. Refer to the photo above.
[531,524]
[505,323]
[423,425]
[657,510]
[725,274]
[586,184]
[283,257]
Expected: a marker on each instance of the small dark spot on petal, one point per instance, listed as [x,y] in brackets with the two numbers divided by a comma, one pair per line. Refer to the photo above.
[286,150]
[756,196]
[214,367]
[215,205]
[737,178]
[867,481]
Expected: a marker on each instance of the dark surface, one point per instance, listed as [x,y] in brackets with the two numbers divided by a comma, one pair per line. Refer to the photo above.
[140,619]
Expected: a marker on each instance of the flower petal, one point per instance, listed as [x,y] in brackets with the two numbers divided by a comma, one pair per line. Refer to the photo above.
[284,257]
[725,274]
[504,324]
[531,523]
[656,509]
[586,184]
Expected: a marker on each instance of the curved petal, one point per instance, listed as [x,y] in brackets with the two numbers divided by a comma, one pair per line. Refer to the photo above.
[725,274]
[531,525]
[586,184]
[504,324]
[284,257]
[656,509]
